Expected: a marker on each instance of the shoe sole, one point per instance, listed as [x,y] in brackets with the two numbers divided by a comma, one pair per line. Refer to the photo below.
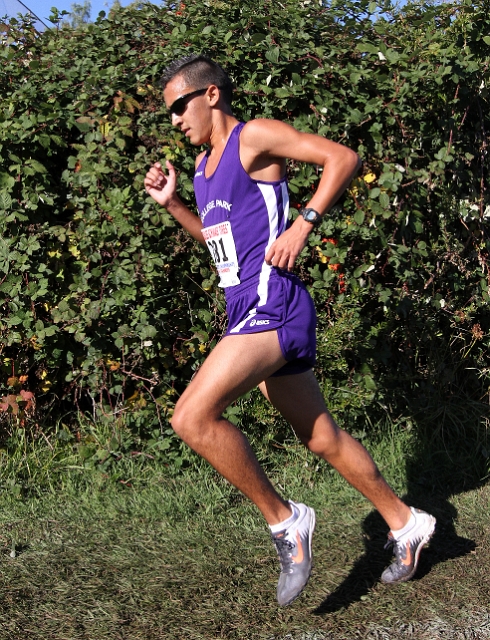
[425,540]
[312,529]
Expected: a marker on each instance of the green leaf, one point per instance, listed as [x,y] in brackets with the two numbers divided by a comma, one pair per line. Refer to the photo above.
[359,216]
[6,180]
[384,200]
[366,47]
[5,200]
[36,165]
[273,55]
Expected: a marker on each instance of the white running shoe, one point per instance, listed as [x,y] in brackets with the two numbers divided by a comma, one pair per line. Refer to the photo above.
[407,548]
[293,546]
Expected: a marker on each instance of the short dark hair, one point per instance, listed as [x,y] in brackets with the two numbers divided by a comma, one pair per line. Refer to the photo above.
[198,71]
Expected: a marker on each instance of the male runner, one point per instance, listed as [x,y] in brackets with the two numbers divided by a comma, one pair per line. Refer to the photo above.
[241,192]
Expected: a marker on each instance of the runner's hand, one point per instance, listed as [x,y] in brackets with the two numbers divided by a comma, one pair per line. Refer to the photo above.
[162,188]
[284,251]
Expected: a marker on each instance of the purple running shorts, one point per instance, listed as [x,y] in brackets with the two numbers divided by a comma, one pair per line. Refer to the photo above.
[288,308]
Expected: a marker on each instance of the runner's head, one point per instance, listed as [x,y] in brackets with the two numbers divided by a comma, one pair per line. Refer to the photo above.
[198,72]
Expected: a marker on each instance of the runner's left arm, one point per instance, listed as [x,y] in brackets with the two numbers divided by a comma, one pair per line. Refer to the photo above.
[274,139]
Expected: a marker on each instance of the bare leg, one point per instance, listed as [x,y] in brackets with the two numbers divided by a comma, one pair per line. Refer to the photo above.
[235,366]
[299,400]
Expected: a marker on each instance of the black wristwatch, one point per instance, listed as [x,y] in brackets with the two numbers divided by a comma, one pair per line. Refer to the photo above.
[310,215]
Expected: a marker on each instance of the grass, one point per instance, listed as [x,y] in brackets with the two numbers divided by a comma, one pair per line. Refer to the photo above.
[184,556]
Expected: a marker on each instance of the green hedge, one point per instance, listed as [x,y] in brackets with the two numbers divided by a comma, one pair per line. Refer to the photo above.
[105,304]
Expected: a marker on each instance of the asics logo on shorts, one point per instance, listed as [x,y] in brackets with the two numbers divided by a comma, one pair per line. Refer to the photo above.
[258,322]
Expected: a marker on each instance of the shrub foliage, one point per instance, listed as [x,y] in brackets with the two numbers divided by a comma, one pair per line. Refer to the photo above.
[106,304]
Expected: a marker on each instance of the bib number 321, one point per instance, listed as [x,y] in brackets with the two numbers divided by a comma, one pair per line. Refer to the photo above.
[221,244]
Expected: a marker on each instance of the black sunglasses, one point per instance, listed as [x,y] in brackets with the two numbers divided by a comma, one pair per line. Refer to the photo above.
[179,106]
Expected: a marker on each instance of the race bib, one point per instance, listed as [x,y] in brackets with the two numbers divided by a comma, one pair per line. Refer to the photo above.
[221,244]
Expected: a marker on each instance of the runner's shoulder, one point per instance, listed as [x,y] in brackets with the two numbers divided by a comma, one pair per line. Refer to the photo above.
[262,133]
[199,159]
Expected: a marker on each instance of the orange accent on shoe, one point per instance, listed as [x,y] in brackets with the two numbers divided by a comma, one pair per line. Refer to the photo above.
[298,558]
[408,560]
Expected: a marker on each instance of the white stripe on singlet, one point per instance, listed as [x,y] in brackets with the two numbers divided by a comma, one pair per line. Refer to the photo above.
[285,202]
[270,200]
[272,210]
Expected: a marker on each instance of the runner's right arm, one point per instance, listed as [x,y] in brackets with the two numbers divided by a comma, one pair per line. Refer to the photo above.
[163,189]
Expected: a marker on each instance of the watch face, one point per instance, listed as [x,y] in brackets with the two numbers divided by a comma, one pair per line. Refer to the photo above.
[310,215]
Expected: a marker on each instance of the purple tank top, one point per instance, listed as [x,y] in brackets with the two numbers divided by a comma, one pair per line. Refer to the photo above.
[241,218]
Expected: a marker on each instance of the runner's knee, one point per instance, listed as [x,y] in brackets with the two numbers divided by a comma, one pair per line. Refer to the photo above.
[183,420]
[190,421]
[325,444]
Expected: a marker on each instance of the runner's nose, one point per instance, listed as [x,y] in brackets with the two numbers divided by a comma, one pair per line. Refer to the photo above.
[176,120]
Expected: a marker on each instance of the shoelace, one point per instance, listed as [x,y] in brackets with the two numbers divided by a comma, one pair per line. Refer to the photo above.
[398,548]
[391,542]
[284,547]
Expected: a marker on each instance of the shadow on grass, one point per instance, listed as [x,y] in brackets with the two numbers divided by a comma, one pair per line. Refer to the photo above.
[19,549]
[433,477]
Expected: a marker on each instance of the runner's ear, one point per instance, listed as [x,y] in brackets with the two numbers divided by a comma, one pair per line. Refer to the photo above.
[213,95]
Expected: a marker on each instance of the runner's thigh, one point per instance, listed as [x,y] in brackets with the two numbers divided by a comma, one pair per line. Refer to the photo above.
[235,366]
[299,399]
